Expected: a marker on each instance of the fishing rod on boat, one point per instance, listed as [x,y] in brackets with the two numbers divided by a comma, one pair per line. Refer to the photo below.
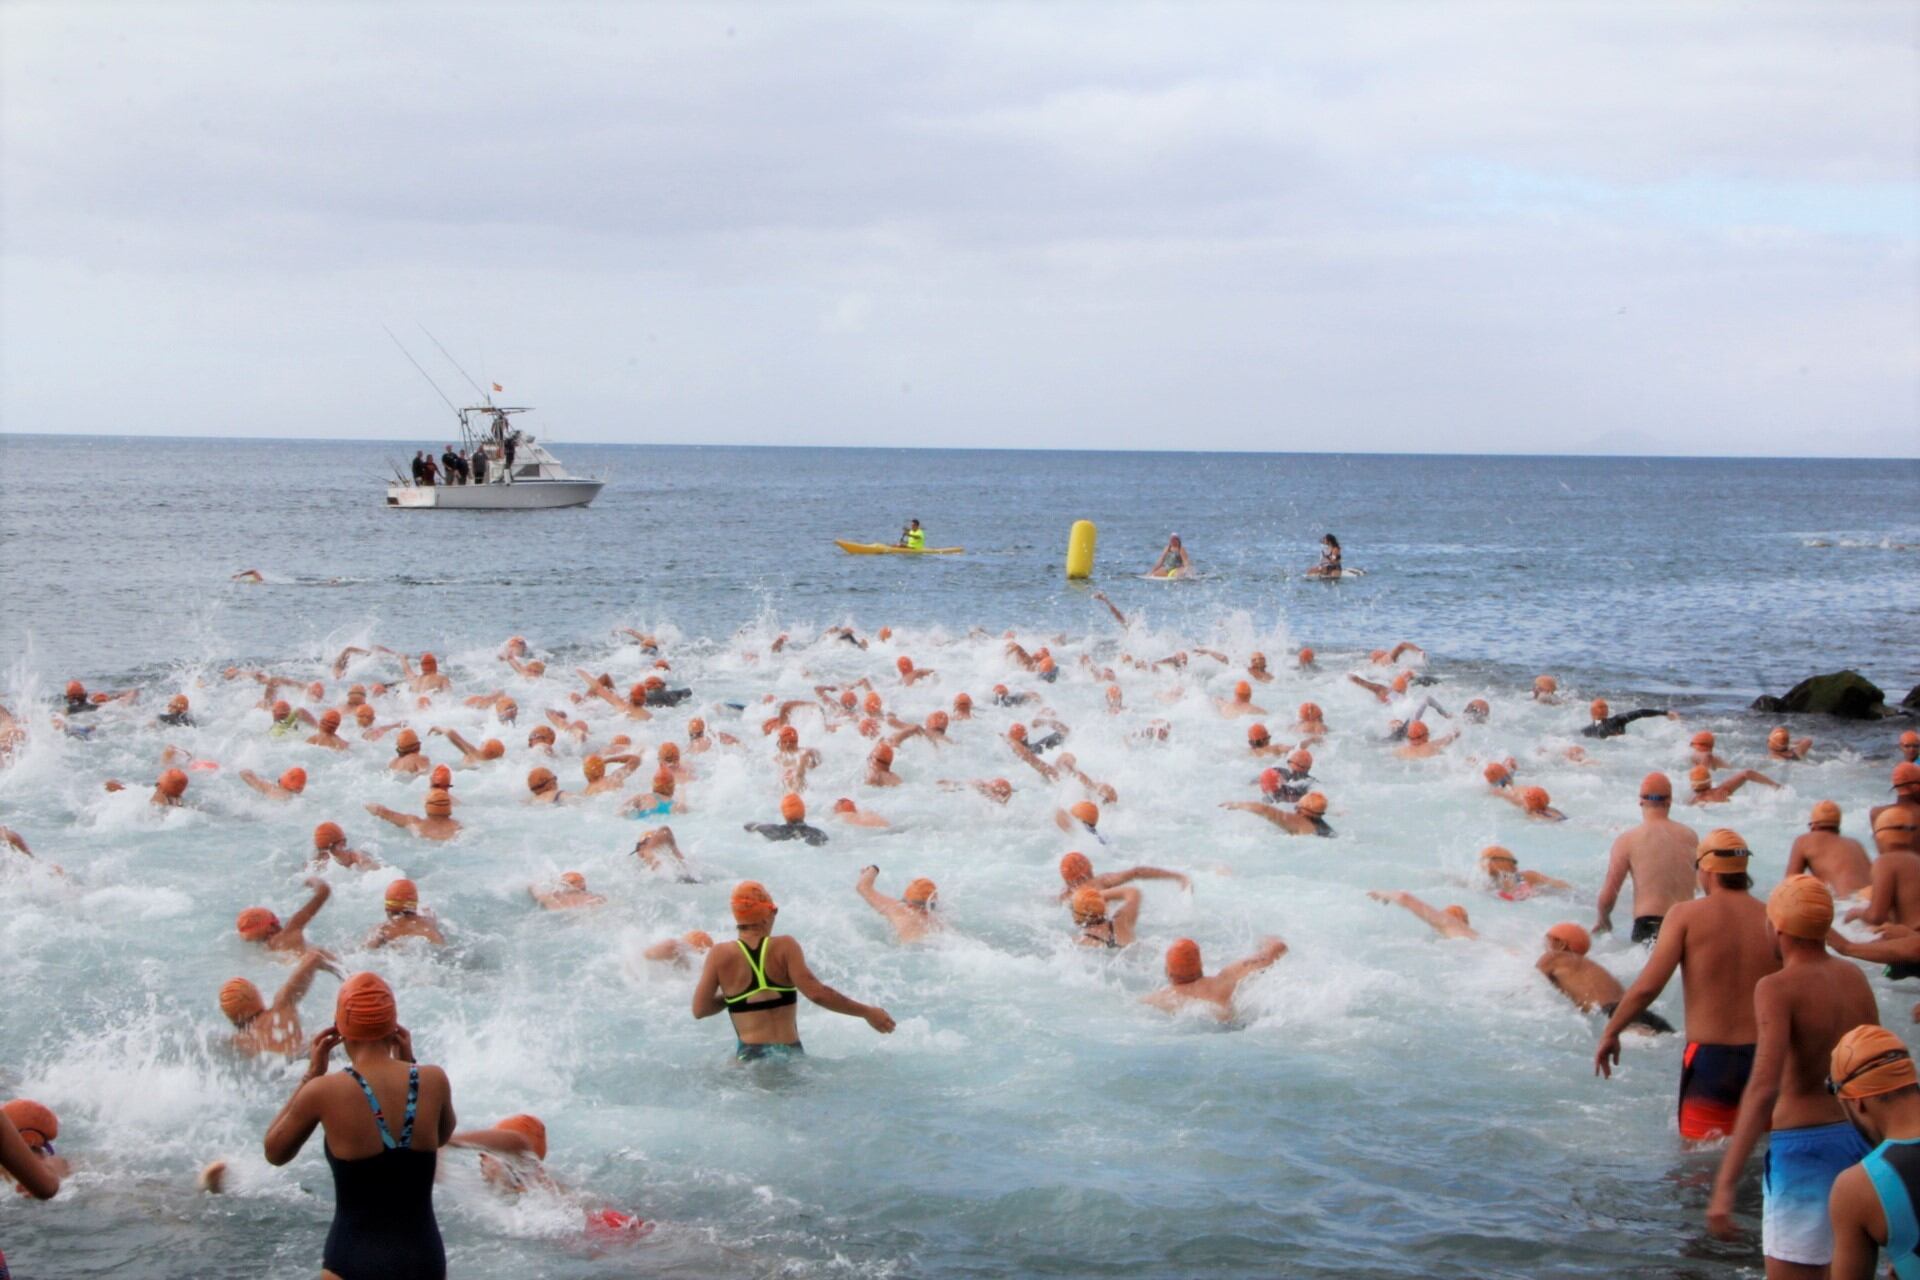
[423,373]
[456,364]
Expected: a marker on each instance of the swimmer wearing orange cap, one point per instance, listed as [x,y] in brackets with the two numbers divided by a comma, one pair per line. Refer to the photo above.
[758,979]
[1503,873]
[1240,704]
[1257,668]
[1704,790]
[1839,861]
[792,824]
[568,894]
[1188,983]
[289,787]
[1099,927]
[679,951]
[1589,986]
[604,773]
[1895,885]
[1448,922]
[407,756]
[1910,747]
[384,1118]
[405,919]
[1906,793]
[1803,1011]
[880,767]
[1722,945]
[330,843]
[257,924]
[658,802]
[1534,802]
[260,1027]
[1308,818]
[659,841]
[1477,711]
[1873,1203]
[1311,725]
[1421,744]
[178,714]
[329,732]
[1546,689]
[26,1150]
[911,675]
[1083,817]
[1260,743]
[438,824]
[1076,872]
[1603,722]
[1781,745]
[846,811]
[1658,854]
[912,915]
[428,679]
[543,787]
[794,760]
[288,718]
[1701,748]
[170,791]
[1070,766]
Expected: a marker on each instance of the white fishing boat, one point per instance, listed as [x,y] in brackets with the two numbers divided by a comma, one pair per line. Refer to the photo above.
[521,475]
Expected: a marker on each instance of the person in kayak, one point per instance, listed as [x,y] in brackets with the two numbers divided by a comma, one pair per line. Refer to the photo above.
[913,537]
[1329,566]
[1173,562]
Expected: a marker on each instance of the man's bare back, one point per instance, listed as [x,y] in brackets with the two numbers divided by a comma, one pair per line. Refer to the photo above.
[1658,855]
[1823,1000]
[1726,947]
[1839,860]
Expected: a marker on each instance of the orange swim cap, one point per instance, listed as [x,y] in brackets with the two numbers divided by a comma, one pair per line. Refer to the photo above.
[1869,1061]
[961,702]
[1703,741]
[904,663]
[173,784]
[365,1008]
[1086,812]
[1495,854]
[327,835]
[669,753]
[663,783]
[1545,684]
[594,768]
[1417,732]
[937,722]
[1700,778]
[1301,760]
[883,753]
[1801,907]
[636,695]
[1459,913]
[1535,799]
[1183,962]
[1480,705]
[363,715]
[402,895]
[240,1000]
[869,728]
[871,704]
[573,880]
[696,727]
[255,924]
[177,703]
[845,805]
[428,664]
[32,1117]
[653,682]
[442,777]
[1074,868]
[1269,779]
[439,804]
[698,939]
[1826,816]
[407,743]
[1598,709]
[492,749]
[1306,657]
[294,780]
[792,807]
[1778,738]
[1402,681]
[886,633]
[506,709]
[539,779]
[529,1128]
[1656,784]
[541,733]
[317,690]
[281,710]
[1722,849]
[75,689]
[1089,904]
[356,695]
[1905,775]
[1257,735]
[1572,936]
[1018,732]
[329,719]
[1893,815]
[789,737]
[752,904]
[999,691]
[1243,691]
[1310,712]
[849,699]
[1314,805]
[1001,789]
[1496,774]
[919,892]
[1910,739]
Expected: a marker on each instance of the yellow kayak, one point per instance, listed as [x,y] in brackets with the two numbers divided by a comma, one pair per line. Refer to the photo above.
[888,549]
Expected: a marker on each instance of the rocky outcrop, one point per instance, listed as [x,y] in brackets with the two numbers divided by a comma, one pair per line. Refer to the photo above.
[1845,694]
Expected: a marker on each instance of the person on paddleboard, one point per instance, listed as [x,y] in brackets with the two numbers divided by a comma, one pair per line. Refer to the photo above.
[913,537]
[1329,566]
[1173,562]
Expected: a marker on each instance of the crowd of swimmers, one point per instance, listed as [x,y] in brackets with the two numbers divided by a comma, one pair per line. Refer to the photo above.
[1782,1031]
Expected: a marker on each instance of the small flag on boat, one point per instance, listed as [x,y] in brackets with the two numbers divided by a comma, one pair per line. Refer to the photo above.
[498,387]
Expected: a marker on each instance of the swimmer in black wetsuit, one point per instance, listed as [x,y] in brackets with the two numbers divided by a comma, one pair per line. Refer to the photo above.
[383,1221]
[758,981]
[794,811]
[1612,726]
[176,713]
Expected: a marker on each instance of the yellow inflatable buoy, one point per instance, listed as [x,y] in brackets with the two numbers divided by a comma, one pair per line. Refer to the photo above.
[1080,549]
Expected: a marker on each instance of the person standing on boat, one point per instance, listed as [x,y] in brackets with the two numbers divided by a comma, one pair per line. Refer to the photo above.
[419,468]
[450,463]
[480,464]
[509,447]
[429,471]
[913,537]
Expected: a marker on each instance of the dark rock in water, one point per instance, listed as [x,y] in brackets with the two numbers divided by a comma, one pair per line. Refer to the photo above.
[1846,694]
[1912,700]
[1767,702]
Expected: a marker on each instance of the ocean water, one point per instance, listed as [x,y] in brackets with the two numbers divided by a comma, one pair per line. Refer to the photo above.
[1387,1104]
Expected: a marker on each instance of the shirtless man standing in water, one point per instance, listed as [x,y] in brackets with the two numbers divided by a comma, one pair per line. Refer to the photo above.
[1835,858]
[1723,946]
[1658,854]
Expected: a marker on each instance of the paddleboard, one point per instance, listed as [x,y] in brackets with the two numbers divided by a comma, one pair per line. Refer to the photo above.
[1171,577]
[888,549]
[1335,577]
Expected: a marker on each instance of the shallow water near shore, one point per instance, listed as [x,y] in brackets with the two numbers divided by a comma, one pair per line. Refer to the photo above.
[1387,1104]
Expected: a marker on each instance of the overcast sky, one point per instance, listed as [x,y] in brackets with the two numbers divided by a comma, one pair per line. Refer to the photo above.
[1635,227]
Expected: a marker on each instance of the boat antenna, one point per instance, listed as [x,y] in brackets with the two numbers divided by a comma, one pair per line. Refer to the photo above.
[456,364]
[423,373]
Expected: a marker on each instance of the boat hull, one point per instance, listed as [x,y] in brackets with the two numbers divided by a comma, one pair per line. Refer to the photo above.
[882,549]
[523,495]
